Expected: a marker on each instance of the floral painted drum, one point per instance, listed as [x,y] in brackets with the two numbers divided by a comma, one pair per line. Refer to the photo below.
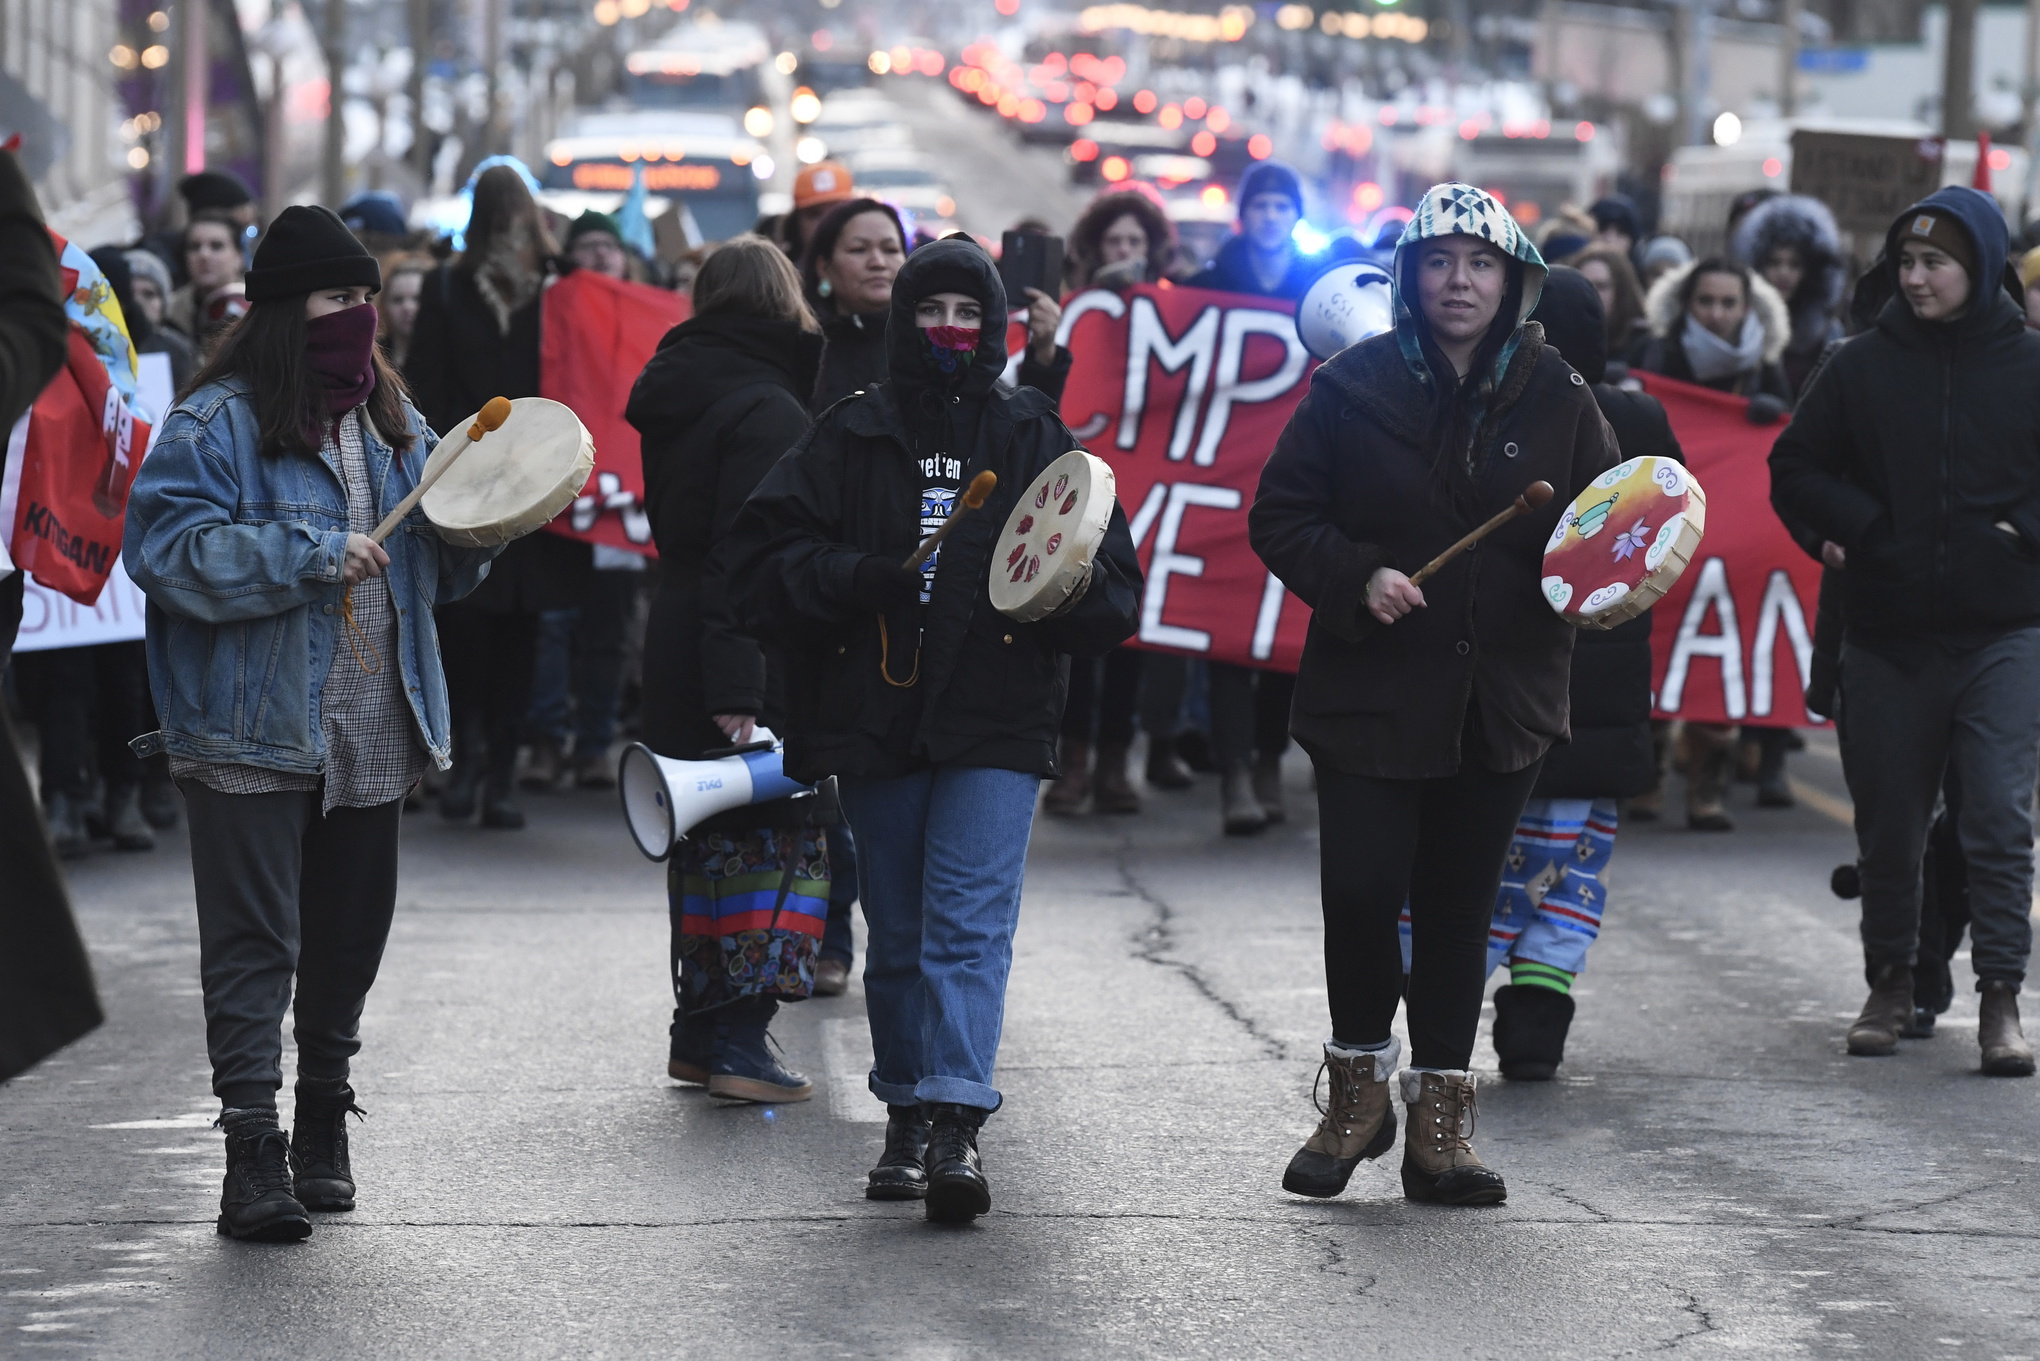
[1623,542]
[1044,553]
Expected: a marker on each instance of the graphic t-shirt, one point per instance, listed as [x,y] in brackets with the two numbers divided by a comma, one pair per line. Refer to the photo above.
[941,478]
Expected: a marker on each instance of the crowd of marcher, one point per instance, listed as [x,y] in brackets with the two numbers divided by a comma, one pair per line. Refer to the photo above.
[840,381]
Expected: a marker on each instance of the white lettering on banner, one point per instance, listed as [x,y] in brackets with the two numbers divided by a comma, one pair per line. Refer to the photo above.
[1781,606]
[1270,615]
[1094,300]
[1167,562]
[1240,323]
[52,620]
[1148,339]
[1711,591]
[1144,518]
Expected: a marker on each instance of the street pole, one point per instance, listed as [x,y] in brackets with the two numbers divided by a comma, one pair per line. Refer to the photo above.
[1692,37]
[333,45]
[1788,58]
[492,43]
[2029,119]
[419,12]
[1958,71]
[197,68]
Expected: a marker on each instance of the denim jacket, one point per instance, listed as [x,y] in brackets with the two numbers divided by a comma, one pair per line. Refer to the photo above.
[239,553]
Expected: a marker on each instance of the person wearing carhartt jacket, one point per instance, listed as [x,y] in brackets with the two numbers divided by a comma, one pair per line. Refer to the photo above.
[1915,457]
[1426,712]
[937,714]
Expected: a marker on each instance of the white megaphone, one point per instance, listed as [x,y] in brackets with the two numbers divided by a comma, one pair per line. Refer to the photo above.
[664,799]
[1345,305]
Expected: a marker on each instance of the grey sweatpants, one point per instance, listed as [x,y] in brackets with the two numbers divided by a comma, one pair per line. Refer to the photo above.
[1902,726]
[285,894]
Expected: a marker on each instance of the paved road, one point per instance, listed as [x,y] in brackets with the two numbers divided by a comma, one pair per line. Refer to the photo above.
[1711,1173]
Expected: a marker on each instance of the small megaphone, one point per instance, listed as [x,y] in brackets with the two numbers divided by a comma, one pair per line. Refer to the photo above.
[1345,305]
[664,799]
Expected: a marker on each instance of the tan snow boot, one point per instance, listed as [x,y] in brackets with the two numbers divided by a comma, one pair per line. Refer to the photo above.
[1357,1124]
[2006,1051]
[1886,1014]
[1439,1164]
[1066,796]
[1705,749]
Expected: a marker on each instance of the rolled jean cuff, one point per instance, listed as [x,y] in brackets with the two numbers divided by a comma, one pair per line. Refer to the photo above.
[957,1091]
[2015,977]
[892,1093]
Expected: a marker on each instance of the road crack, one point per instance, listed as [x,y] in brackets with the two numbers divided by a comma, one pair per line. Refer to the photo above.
[1157,945]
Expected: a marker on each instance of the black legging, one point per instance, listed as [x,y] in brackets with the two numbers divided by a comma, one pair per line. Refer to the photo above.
[1106,707]
[1249,712]
[1437,844]
[489,657]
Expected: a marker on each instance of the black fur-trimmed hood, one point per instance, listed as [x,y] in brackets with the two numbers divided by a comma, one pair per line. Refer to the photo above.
[1803,222]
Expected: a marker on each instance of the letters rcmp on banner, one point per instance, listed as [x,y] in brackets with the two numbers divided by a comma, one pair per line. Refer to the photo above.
[1184,392]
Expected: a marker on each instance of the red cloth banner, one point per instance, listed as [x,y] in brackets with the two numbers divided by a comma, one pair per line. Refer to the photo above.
[1733,641]
[64,482]
[597,335]
[1183,391]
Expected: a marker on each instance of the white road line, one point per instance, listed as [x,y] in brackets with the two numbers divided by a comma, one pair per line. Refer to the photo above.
[846,1045]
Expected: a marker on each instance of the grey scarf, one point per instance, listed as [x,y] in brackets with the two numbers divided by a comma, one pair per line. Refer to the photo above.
[1713,358]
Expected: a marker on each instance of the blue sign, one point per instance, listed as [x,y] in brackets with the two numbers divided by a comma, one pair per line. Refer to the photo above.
[1834,61]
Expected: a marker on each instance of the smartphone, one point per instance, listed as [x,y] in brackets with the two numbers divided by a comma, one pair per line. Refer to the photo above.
[1030,260]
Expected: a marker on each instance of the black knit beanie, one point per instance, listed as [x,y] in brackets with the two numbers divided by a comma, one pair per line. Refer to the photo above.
[309,248]
[1271,177]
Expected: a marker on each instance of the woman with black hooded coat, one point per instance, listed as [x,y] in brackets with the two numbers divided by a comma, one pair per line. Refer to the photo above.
[1793,244]
[721,401]
[937,714]
[1426,711]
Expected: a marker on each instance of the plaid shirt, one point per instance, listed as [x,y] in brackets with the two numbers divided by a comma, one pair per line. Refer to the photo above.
[373,753]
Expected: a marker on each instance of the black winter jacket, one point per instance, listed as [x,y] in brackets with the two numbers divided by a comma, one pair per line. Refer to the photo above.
[1233,270]
[990,691]
[1347,491]
[1914,442]
[1610,755]
[720,402]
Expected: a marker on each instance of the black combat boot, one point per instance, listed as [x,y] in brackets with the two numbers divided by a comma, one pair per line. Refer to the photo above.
[957,1189]
[1530,1028]
[902,1171]
[320,1173]
[255,1198]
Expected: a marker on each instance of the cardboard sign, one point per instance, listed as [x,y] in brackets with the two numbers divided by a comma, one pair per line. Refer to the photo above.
[1868,181]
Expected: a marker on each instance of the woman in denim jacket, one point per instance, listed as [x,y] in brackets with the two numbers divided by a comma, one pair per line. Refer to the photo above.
[296,674]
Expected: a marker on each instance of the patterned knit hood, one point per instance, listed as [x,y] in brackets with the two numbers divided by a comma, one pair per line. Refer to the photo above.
[1462,210]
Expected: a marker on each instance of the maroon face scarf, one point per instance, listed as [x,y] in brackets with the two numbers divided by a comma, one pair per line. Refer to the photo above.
[340,347]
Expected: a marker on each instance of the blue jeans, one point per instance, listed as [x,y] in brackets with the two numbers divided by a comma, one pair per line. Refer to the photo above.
[941,854]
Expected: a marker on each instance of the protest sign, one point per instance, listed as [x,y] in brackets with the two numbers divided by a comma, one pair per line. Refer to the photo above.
[598,335]
[1867,180]
[1183,391]
[1733,640]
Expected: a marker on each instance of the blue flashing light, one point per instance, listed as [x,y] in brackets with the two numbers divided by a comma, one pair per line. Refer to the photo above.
[1309,240]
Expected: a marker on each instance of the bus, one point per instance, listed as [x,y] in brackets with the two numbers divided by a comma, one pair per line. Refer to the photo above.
[717,66]
[706,165]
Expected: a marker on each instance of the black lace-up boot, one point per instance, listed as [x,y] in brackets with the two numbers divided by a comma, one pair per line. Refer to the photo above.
[255,1198]
[902,1171]
[320,1173]
[957,1189]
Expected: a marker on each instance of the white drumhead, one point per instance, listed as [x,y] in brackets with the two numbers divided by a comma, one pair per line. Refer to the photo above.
[1046,548]
[513,479]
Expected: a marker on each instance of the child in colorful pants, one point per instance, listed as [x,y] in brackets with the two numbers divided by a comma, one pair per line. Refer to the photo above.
[1554,889]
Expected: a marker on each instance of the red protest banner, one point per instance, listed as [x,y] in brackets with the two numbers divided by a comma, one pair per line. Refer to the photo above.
[1734,639]
[67,470]
[597,334]
[1183,391]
